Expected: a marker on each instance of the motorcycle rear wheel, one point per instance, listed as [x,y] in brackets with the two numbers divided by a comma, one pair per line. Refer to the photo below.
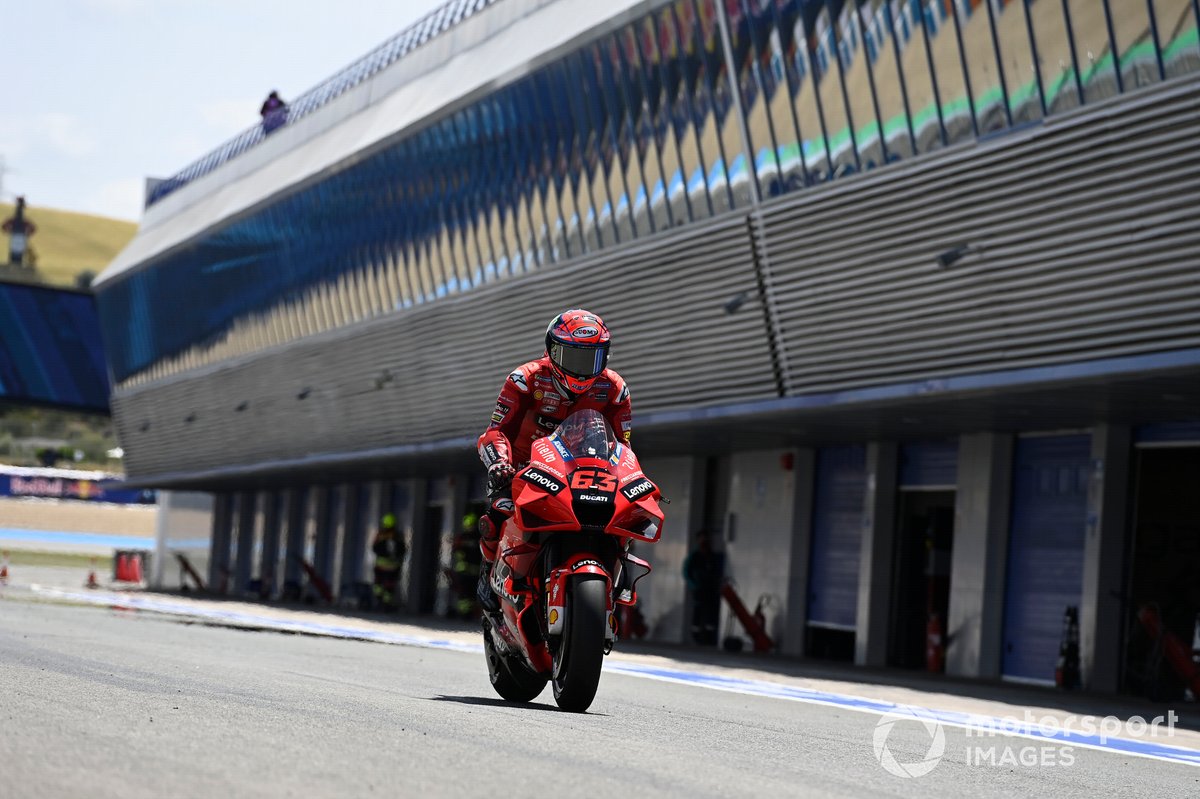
[513,681]
[580,654]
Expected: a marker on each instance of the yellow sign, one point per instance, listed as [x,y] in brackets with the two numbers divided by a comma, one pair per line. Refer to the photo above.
[553,615]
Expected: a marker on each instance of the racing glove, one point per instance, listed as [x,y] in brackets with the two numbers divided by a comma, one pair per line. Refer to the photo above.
[500,476]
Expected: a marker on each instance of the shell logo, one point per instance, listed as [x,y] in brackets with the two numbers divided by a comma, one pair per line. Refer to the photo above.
[554,615]
[539,394]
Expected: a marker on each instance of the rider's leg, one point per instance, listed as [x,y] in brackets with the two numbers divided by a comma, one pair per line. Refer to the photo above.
[490,525]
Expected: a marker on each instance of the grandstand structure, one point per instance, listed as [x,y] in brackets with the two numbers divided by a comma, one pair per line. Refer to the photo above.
[908,294]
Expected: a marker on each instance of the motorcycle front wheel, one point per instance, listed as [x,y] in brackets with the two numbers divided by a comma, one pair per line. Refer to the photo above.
[580,653]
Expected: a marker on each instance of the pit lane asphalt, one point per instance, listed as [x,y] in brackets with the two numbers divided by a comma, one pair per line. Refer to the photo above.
[101,703]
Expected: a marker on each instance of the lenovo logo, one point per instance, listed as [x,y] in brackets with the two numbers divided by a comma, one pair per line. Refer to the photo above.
[635,490]
[542,480]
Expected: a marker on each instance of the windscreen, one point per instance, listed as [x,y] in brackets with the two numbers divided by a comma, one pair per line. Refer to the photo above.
[586,434]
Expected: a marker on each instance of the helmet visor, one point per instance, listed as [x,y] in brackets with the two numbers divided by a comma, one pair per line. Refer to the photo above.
[579,361]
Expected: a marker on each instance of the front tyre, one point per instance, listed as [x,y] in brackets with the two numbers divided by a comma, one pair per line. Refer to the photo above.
[580,653]
[513,681]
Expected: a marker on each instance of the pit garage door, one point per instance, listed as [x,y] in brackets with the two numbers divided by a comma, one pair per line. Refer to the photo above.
[837,537]
[1045,551]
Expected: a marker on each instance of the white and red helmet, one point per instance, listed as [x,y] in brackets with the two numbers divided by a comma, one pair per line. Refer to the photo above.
[577,344]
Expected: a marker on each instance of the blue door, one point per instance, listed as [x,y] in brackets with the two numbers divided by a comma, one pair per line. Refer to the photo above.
[929,464]
[837,537]
[1045,551]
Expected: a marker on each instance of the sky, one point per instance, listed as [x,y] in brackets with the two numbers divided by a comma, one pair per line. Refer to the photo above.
[100,94]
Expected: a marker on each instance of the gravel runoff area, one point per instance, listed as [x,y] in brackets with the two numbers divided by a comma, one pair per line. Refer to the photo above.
[77,516]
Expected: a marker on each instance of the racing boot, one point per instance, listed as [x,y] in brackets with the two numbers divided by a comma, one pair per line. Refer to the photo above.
[483,589]
[489,538]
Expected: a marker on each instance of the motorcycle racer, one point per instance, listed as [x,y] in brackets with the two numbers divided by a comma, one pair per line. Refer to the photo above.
[572,375]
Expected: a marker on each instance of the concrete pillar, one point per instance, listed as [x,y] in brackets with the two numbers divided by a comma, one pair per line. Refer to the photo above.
[296,507]
[1103,555]
[327,513]
[876,556]
[161,531]
[662,595]
[222,531]
[458,489]
[354,525]
[268,570]
[977,566]
[797,593]
[759,535]
[247,502]
[421,583]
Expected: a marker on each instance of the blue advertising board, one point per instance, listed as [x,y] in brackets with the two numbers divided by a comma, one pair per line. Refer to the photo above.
[51,352]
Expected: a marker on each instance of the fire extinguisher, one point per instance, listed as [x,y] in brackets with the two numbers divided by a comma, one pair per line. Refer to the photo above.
[935,645]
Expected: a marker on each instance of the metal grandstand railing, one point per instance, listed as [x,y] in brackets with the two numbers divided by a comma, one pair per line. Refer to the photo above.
[432,24]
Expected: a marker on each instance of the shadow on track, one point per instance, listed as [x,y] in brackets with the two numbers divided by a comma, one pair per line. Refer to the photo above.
[494,701]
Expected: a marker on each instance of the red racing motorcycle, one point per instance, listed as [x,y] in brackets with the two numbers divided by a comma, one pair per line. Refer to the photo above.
[564,562]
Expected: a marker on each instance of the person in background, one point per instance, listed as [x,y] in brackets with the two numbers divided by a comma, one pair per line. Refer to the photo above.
[704,572]
[389,552]
[19,229]
[273,112]
[465,560]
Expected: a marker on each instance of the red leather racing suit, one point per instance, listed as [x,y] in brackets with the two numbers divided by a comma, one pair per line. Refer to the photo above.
[530,407]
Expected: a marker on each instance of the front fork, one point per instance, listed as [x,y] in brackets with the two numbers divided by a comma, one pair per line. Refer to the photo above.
[557,582]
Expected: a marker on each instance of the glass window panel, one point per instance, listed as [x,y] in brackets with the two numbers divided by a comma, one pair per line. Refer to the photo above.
[748,31]
[1014,25]
[946,39]
[885,64]
[810,162]
[640,220]
[589,123]
[615,144]
[1177,20]
[575,136]
[1143,56]
[666,214]
[661,49]
[857,72]
[564,186]
[533,167]
[1095,37]
[611,160]
[510,179]
[707,60]
[734,169]
[651,206]
[1056,57]
[974,101]
[824,60]
[775,46]
[685,64]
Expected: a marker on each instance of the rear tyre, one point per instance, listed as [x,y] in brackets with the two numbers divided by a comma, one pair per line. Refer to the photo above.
[580,654]
[513,681]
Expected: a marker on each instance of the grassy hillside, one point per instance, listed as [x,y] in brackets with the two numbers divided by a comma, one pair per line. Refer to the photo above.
[67,243]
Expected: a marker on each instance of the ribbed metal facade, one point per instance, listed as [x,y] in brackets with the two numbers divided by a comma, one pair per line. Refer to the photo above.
[1078,239]
[431,373]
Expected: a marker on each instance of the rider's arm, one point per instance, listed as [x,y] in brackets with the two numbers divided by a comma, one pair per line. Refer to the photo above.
[620,411]
[511,406]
